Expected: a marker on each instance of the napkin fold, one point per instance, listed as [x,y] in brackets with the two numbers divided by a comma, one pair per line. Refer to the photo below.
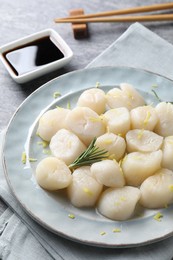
[21,237]
[139,48]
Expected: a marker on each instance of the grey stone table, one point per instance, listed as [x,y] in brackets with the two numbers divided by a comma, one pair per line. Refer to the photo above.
[20,18]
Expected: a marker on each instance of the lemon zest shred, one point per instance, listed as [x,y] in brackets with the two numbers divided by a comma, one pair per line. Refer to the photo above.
[154,86]
[46,151]
[23,158]
[123,198]
[147,118]
[59,107]
[32,159]
[56,94]
[107,129]
[120,166]
[120,162]
[116,230]
[140,133]
[95,119]
[108,141]
[43,143]
[37,133]
[158,216]
[129,95]
[88,191]
[68,105]
[72,216]
[102,233]
[69,143]
[171,187]
[97,84]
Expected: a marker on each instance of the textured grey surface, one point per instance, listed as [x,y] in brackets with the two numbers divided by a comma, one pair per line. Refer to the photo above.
[20,18]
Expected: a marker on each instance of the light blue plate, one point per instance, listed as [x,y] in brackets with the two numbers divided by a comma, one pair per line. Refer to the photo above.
[51,210]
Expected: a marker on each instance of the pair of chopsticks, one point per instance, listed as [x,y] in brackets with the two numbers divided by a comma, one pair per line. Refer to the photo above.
[105,16]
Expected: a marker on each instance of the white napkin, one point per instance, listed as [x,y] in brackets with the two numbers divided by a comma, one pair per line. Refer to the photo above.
[22,238]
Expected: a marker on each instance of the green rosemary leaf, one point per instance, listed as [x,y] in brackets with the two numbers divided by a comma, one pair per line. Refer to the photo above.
[156,95]
[91,155]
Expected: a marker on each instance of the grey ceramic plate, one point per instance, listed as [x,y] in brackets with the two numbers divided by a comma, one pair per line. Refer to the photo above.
[51,210]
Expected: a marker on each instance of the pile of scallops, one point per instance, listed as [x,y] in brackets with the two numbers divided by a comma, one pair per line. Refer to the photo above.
[138,139]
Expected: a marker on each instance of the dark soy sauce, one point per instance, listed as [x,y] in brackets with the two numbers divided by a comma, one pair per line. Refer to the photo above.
[33,55]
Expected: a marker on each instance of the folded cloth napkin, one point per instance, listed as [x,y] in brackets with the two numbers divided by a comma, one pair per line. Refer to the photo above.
[139,48]
[21,237]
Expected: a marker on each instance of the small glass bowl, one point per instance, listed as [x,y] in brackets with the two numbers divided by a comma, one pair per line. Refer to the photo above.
[36,71]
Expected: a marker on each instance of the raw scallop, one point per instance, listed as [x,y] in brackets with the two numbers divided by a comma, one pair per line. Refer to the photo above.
[66,145]
[108,173]
[84,189]
[143,141]
[93,98]
[119,203]
[143,117]
[118,120]
[167,148]
[52,121]
[85,123]
[114,144]
[53,174]
[157,190]
[138,166]
[164,127]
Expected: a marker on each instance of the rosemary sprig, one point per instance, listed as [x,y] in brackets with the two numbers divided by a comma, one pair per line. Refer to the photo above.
[158,98]
[91,155]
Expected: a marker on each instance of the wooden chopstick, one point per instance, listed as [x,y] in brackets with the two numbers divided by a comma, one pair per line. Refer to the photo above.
[144,18]
[147,8]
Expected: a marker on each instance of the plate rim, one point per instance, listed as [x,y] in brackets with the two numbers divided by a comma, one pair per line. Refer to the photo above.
[38,220]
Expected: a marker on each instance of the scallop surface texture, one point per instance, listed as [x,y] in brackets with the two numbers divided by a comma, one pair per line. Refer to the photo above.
[157,190]
[167,148]
[164,127]
[119,203]
[66,145]
[115,98]
[118,120]
[138,166]
[93,98]
[52,121]
[134,98]
[108,173]
[53,174]
[85,123]
[115,145]
[143,117]
[84,189]
[143,141]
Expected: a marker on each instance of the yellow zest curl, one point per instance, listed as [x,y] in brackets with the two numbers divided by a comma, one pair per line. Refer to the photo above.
[158,216]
